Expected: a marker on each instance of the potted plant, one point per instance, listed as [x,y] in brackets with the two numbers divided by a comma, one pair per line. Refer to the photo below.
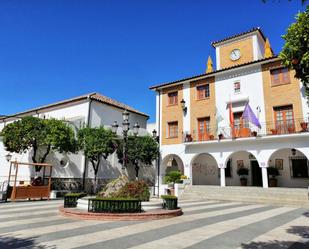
[254,133]
[243,172]
[304,126]
[273,172]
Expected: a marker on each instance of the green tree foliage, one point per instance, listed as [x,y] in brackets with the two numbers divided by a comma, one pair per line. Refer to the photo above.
[140,150]
[295,53]
[173,177]
[38,135]
[96,144]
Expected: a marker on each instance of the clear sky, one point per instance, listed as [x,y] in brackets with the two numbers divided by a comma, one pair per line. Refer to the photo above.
[52,50]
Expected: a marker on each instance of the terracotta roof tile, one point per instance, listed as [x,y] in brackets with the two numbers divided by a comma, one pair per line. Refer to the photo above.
[94,96]
[240,34]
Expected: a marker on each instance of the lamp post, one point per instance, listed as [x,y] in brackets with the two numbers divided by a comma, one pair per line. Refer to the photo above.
[8,157]
[125,130]
[156,137]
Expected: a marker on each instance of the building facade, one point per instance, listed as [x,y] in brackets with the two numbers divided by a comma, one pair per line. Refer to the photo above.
[72,171]
[205,134]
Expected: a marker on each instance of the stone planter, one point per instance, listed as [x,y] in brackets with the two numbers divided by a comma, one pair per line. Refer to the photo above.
[243,181]
[273,182]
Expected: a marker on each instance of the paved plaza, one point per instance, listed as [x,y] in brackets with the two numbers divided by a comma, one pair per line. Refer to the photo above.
[205,224]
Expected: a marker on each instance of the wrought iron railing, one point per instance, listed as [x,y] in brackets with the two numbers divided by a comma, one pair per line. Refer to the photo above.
[239,131]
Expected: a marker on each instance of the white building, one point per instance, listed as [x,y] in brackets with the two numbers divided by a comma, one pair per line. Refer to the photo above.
[199,137]
[72,171]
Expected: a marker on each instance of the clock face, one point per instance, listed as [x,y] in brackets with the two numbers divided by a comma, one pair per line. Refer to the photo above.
[235,54]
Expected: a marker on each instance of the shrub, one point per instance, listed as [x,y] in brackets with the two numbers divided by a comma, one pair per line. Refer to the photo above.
[136,190]
[173,177]
[243,172]
[168,197]
[114,205]
[70,200]
[169,202]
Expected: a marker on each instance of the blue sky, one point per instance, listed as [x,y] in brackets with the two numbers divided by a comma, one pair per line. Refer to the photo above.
[58,49]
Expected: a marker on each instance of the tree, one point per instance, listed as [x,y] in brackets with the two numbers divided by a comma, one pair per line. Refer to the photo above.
[96,143]
[40,136]
[295,53]
[140,150]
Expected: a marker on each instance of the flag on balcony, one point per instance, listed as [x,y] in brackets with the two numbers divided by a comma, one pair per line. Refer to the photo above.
[231,114]
[231,119]
[249,116]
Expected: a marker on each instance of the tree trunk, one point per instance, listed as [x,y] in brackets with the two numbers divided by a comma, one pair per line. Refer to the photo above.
[35,149]
[96,169]
[136,171]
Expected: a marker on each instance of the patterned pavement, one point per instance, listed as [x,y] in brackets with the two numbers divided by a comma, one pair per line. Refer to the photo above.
[205,224]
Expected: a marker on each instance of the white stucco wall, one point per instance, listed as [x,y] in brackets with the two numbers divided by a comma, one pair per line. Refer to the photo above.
[251,87]
[101,114]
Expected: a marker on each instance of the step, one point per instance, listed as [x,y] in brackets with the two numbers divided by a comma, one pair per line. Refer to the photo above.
[276,196]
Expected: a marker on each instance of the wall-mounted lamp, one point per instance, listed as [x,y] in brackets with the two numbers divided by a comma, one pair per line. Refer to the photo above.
[293,152]
[183,105]
[8,157]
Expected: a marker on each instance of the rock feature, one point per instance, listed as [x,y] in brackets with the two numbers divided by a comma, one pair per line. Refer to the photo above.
[114,186]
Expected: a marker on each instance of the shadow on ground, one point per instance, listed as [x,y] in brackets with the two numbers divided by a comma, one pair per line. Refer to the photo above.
[10,242]
[301,231]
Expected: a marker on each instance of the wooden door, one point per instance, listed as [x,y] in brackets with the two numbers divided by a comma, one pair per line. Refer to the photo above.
[284,119]
[203,129]
[239,123]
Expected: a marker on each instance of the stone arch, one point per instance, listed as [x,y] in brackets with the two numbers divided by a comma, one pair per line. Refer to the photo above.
[293,166]
[243,159]
[205,170]
[172,162]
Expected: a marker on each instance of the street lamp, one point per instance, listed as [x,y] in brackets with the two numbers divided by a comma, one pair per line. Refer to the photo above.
[125,129]
[157,138]
[115,127]
[125,115]
[135,129]
[8,157]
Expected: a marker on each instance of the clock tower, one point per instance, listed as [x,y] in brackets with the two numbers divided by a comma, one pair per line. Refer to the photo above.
[240,48]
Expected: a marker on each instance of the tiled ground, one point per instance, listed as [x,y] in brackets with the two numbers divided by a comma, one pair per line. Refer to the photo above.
[205,224]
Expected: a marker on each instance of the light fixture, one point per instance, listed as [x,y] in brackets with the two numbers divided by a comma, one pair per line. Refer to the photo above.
[8,157]
[154,133]
[135,129]
[125,115]
[293,152]
[125,125]
[183,105]
[115,127]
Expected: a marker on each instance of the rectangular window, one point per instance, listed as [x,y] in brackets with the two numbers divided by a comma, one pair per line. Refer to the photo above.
[173,98]
[284,121]
[237,87]
[203,91]
[279,76]
[203,128]
[299,167]
[173,129]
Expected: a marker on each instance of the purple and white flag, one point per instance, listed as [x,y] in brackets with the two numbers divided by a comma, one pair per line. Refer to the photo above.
[249,115]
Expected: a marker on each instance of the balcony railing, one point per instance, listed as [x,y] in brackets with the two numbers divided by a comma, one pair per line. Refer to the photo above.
[267,129]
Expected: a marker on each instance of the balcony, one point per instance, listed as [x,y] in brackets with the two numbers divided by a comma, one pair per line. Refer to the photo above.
[267,129]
